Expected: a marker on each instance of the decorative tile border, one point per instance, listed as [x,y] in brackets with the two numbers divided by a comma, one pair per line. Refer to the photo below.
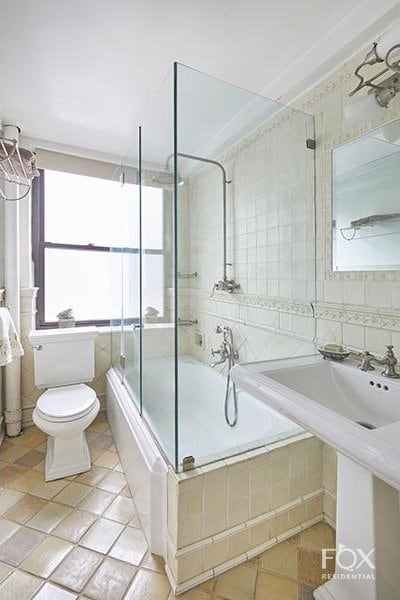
[286,305]
[370,316]
[359,315]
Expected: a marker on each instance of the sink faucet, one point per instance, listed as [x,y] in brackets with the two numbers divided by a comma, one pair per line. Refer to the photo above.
[388,359]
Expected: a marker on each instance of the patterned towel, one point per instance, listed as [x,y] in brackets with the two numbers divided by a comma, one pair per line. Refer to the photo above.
[10,345]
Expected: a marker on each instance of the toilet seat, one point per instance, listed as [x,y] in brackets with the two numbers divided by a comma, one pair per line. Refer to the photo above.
[66,403]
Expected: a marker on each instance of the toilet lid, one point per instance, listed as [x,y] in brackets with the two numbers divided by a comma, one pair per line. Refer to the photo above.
[68,401]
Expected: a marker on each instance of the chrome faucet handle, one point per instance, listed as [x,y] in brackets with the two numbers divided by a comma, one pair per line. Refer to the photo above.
[215,352]
[390,361]
[365,364]
[219,329]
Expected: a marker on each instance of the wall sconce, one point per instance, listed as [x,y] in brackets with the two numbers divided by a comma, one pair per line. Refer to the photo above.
[384,85]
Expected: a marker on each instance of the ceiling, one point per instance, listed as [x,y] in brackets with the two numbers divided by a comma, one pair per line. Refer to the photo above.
[83,74]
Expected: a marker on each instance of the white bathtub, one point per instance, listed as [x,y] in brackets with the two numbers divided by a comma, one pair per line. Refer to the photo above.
[202,431]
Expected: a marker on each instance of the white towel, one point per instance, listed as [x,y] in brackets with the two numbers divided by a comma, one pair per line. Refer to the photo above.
[10,345]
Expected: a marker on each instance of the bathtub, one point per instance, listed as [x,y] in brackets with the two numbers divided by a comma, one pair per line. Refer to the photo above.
[146,446]
[202,430]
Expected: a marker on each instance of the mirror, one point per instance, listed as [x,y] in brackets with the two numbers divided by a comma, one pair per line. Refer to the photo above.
[366,202]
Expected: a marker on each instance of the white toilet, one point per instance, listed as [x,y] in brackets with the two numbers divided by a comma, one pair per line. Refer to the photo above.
[64,362]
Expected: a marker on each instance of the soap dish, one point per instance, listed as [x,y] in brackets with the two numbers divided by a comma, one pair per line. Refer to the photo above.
[334,355]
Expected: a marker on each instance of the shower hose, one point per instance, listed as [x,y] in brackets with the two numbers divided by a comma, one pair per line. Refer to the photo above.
[229,421]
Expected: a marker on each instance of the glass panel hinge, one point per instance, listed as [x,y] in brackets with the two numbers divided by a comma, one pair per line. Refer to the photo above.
[310,143]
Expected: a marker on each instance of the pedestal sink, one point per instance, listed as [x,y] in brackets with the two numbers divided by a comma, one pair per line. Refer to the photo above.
[358,413]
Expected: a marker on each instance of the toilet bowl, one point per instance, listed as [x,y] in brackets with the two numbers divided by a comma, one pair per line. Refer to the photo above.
[64,361]
[64,413]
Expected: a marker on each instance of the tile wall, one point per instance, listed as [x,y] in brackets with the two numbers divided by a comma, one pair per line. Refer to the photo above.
[225,513]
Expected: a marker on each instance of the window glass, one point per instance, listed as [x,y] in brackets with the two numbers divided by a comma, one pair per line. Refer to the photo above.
[83,210]
[81,280]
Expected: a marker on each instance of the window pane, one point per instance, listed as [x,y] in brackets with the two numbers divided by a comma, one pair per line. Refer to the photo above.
[152,217]
[88,210]
[153,284]
[81,280]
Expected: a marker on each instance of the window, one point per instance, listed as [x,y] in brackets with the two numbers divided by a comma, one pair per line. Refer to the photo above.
[85,232]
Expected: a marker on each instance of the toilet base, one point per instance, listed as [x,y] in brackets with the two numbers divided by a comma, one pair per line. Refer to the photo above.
[67,456]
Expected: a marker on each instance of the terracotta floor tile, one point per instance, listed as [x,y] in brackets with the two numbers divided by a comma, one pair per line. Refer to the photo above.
[121,509]
[310,567]
[48,489]
[45,558]
[48,517]
[19,585]
[30,437]
[25,508]
[113,482]
[27,481]
[107,460]
[76,569]
[7,529]
[131,546]
[74,525]
[99,426]
[8,498]
[126,491]
[13,453]
[20,545]
[317,537]
[9,472]
[273,587]
[6,444]
[95,453]
[280,559]
[101,535]
[118,467]
[30,459]
[92,477]
[5,570]
[40,467]
[52,592]
[148,584]
[237,584]
[110,581]
[72,494]
[96,501]
[306,592]
[153,562]
[103,441]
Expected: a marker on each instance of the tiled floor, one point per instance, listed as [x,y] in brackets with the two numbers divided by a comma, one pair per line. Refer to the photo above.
[80,537]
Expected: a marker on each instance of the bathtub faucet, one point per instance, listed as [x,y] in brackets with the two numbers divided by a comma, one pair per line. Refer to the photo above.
[228,353]
[223,352]
[226,350]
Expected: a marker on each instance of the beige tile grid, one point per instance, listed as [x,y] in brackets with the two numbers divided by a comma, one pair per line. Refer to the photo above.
[81,537]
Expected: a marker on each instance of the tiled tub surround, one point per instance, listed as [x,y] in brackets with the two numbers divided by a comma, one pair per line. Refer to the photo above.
[224,514]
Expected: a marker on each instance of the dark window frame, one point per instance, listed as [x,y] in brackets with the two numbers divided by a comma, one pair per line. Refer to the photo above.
[39,245]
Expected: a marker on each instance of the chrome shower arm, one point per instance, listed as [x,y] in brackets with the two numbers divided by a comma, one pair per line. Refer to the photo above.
[225,181]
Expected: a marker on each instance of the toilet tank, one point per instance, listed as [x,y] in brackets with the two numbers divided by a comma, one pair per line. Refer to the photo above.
[63,356]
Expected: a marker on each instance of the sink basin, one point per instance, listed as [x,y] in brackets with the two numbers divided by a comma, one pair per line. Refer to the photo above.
[356,412]
[364,398]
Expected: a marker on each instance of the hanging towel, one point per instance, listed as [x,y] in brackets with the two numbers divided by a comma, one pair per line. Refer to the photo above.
[10,345]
